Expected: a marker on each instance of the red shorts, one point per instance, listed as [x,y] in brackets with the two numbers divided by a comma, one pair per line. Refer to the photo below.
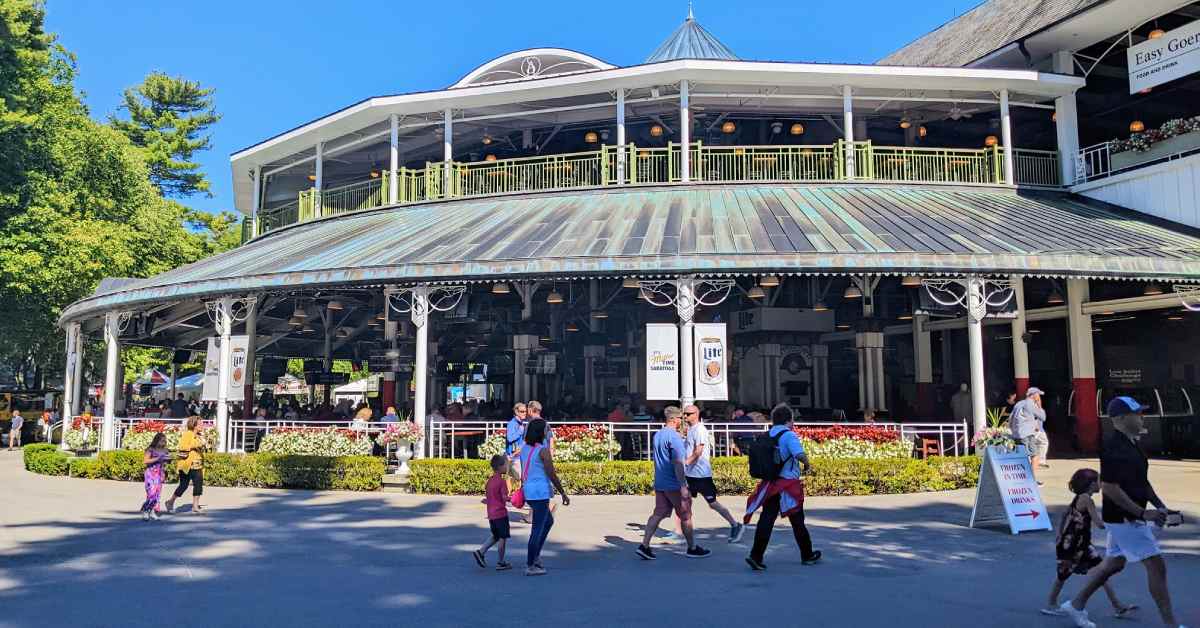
[665,501]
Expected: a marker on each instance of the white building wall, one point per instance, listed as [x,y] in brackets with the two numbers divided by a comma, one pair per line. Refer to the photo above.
[1169,190]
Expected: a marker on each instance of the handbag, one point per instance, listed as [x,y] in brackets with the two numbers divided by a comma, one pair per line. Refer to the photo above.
[518,496]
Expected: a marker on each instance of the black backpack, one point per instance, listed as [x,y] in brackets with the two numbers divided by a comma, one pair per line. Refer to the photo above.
[765,461]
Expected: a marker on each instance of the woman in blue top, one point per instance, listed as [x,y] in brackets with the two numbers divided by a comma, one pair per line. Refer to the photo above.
[539,477]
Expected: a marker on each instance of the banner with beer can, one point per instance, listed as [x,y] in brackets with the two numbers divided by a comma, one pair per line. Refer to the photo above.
[238,347]
[711,362]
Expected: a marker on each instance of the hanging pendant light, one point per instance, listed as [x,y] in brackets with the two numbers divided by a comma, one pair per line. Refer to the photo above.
[905,316]
[500,287]
[307,329]
[904,123]
[1137,126]
[769,281]
[820,306]
[852,292]
[382,316]
[342,332]
[374,174]
[296,322]
[312,177]
[922,131]
[797,129]
[1152,289]
[911,281]
[990,141]
[843,326]
[656,131]
[334,304]
[756,293]
[631,282]
[1156,33]
[572,327]
[490,157]
[1055,297]
[299,312]
[776,128]
[599,314]
[554,298]
[591,137]
[728,127]
[373,322]
[487,139]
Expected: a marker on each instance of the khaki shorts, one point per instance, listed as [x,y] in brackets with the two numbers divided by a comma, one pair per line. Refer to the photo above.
[666,501]
[1037,444]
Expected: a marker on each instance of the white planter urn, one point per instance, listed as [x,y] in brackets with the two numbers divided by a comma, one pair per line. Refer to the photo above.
[404,453]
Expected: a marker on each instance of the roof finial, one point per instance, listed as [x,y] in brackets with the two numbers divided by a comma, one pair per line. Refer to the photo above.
[690,15]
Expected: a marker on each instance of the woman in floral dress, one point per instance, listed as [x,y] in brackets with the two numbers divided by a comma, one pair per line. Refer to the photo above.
[155,459]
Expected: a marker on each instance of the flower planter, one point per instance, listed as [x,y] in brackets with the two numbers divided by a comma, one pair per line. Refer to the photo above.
[1158,150]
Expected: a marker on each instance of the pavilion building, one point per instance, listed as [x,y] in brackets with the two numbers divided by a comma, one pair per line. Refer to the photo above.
[871,235]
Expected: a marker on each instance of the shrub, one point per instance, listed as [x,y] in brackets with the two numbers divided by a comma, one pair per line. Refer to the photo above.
[45,459]
[307,441]
[85,468]
[122,464]
[730,474]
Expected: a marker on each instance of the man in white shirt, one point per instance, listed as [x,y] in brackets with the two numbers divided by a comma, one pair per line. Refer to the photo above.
[698,469]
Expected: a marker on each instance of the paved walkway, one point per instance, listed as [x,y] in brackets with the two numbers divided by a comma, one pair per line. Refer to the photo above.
[74,553]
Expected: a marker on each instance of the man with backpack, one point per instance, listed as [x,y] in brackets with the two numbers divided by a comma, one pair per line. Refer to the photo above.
[777,459]
[670,487]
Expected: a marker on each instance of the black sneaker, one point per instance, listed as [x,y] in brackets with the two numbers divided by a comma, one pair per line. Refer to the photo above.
[478,555]
[812,560]
[756,565]
[698,552]
[645,552]
[503,566]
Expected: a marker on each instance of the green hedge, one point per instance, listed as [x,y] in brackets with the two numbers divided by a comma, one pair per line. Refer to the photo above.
[846,476]
[350,473]
[45,459]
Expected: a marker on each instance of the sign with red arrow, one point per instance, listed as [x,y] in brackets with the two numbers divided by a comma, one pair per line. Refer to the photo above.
[1008,491]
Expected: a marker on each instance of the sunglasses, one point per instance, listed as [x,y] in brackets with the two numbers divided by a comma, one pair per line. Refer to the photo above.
[690,412]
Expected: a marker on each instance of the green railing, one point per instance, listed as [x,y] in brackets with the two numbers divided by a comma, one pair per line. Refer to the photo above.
[663,165]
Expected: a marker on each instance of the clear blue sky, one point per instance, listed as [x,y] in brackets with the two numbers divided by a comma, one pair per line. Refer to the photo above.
[276,64]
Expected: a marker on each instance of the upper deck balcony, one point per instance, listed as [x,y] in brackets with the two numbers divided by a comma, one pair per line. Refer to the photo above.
[513,126]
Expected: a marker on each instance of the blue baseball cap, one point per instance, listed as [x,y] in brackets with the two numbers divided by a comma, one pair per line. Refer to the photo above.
[1121,406]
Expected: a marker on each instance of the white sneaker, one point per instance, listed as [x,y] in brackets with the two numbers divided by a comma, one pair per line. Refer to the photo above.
[145,516]
[154,515]
[1080,617]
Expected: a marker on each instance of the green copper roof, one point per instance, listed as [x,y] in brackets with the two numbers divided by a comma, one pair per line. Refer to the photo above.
[702,228]
[691,41]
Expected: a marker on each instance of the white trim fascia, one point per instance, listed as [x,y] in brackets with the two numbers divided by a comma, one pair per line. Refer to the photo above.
[488,65]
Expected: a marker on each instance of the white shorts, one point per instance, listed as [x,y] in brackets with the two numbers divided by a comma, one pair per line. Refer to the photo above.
[1134,541]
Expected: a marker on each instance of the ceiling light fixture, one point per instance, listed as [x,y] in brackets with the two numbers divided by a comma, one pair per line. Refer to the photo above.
[1055,298]
[911,281]
[599,314]
[554,298]
[656,131]
[769,281]
[728,127]
[631,282]
[490,157]
[922,131]
[904,123]
[500,287]
[756,293]
[334,304]
[990,141]
[776,128]
[1137,126]
[852,292]
[797,129]
[591,137]
[820,306]
[1152,289]
[1156,33]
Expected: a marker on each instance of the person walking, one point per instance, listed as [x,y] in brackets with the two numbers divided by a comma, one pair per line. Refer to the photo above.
[670,487]
[541,480]
[14,429]
[960,403]
[179,407]
[155,460]
[514,432]
[191,465]
[698,469]
[1125,488]
[783,495]
[1073,547]
[496,499]
[1027,425]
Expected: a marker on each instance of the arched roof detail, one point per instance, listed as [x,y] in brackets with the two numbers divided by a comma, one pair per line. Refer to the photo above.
[530,64]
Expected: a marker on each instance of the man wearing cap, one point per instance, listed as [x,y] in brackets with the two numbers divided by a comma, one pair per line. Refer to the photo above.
[1125,486]
[1026,422]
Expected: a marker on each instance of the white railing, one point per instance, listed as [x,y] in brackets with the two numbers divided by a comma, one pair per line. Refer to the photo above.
[1093,162]
[458,439]
[246,434]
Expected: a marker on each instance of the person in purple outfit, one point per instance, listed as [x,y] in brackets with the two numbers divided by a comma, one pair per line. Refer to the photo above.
[155,459]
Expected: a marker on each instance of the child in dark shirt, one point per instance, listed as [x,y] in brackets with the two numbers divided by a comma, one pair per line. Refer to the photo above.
[496,498]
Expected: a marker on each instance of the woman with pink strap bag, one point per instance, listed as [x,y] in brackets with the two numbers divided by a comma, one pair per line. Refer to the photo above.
[537,469]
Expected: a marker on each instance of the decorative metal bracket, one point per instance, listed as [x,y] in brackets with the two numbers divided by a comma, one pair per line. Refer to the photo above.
[686,293]
[239,311]
[422,299]
[975,294]
[121,323]
[1189,295]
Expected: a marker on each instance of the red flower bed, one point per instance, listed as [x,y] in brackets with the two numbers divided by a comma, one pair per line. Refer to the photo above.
[148,426]
[80,422]
[833,432]
[570,433]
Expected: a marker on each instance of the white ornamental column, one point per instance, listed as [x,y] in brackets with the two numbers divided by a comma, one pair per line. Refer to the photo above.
[770,353]
[685,137]
[319,183]
[79,396]
[1066,119]
[393,192]
[1020,349]
[224,366]
[112,344]
[420,319]
[447,151]
[685,307]
[1006,135]
[848,128]
[923,355]
[523,346]
[871,383]
[976,310]
[70,384]
[621,152]
[257,202]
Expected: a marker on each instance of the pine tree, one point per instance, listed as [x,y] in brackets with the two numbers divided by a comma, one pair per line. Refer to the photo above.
[168,117]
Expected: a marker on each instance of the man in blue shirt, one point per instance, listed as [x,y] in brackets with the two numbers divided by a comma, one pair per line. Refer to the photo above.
[783,495]
[514,434]
[670,487]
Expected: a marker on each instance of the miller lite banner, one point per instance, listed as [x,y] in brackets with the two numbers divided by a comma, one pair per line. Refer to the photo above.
[711,362]
[238,346]
[662,362]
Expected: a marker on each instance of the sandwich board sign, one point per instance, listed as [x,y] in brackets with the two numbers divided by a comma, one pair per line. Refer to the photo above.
[1009,492]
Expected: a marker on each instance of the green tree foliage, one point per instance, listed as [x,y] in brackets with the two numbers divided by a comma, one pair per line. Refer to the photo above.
[168,118]
[76,200]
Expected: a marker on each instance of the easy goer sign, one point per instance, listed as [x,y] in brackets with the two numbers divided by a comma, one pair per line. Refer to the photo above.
[1155,61]
[1008,491]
